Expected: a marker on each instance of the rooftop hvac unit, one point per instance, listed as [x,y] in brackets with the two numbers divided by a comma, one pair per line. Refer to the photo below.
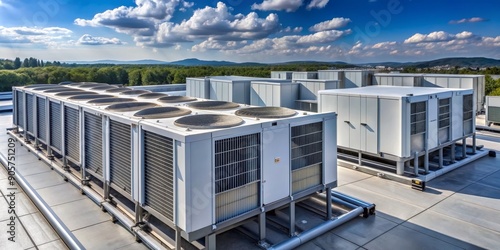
[274,94]
[392,79]
[397,122]
[254,163]
[301,75]
[118,90]
[152,95]
[198,87]
[492,110]
[176,99]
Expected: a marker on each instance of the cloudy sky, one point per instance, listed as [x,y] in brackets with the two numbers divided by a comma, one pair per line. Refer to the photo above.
[353,31]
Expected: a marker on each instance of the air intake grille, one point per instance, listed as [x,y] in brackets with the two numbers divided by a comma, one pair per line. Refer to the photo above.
[418,118]
[468,114]
[93,144]
[55,126]
[20,109]
[307,156]
[71,133]
[119,155]
[41,127]
[159,174]
[444,120]
[494,114]
[29,113]
[237,175]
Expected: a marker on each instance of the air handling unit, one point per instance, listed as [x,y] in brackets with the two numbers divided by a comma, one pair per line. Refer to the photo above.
[403,126]
[492,110]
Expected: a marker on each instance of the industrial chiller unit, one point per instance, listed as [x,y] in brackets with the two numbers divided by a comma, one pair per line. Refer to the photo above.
[405,125]
[197,166]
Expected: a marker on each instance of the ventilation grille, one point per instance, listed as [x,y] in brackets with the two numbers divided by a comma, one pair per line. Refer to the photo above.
[444,120]
[89,97]
[418,118]
[20,109]
[208,121]
[120,163]
[74,93]
[93,144]
[237,175]
[307,156]
[55,126]
[213,105]
[128,107]
[108,101]
[265,112]
[29,114]
[468,114]
[41,127]
[159,174]
[162,112]
[494,114]
[71,133]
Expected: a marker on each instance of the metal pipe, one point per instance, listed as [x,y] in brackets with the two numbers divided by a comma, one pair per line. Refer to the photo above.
[317,231]
[149,240]
[69,239]
[350,199]
[128,223]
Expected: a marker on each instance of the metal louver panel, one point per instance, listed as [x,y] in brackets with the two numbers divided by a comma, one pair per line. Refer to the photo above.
[158,174]
[120,163]
[93,144]
[20,109]
[237,175]
[468,114]
[494,114]
[71,133]
[29,114]
[55,126]
[41,126]
[307,156]
[444,120]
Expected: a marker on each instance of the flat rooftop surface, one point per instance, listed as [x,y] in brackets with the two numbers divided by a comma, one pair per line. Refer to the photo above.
[460,210]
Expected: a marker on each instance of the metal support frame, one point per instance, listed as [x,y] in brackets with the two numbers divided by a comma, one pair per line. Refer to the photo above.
[291,213]
[262,228]
[452,153]
[464,148]
[210,242]
[426,161]
[440,157]
[328,204]
[415,164]
[474,143]
[400,167]
[178,238]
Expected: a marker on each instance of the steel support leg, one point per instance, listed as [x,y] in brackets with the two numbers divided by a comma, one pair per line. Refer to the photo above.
[292,218]
[210,242]
[440,157]
[464,148]
[328,203]
[178,238]
[106,190]
[452,155]
[262,227]
[415,164]
[400,167]
[138,212]
[474,143]
[360,156]
[426,162]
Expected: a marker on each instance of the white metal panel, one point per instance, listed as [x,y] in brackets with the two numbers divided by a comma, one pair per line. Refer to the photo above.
[276,164]
[391,123]
[432,126]
[442,82]
[198,184]
[355,123]
[454,82]
[342,122]
[276,95]
[369,132]
[330,149]
[457,128]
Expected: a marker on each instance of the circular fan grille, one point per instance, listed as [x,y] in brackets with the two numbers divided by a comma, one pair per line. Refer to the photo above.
[111,100]
[152,95]
[41,88]
[208,121]
[135,92]
[39,85]
[59,90]
[92,85]
[117,90]
[175,99]
[74,93]
[266,112]
[162,112]
[213,105]
[127,107]
[89,97]
[104,87]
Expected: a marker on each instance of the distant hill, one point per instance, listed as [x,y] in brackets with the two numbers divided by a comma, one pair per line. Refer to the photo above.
[473,62]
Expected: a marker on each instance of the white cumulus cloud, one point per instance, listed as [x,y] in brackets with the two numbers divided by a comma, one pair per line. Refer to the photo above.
[318,4]
[91,40]
[469,20]
[279,5]
[334,23]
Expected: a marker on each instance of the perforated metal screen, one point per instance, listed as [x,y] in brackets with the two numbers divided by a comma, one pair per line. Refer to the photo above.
[29,114]
[418,117]
[41,122]
[159,174]
[494,114]
[120,155]
[20,109]
[55,126]
[468,109]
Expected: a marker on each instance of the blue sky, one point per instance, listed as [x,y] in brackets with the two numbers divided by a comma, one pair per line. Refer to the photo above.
[353,31]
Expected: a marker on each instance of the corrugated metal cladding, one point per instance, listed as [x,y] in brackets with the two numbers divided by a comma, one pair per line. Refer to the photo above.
[307,156]
[20,109]
[120,165]
[237,175]
[29,113]
[41,126]
[55,125]
[71,133]
[418,117]
[93,144]
[159,174]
